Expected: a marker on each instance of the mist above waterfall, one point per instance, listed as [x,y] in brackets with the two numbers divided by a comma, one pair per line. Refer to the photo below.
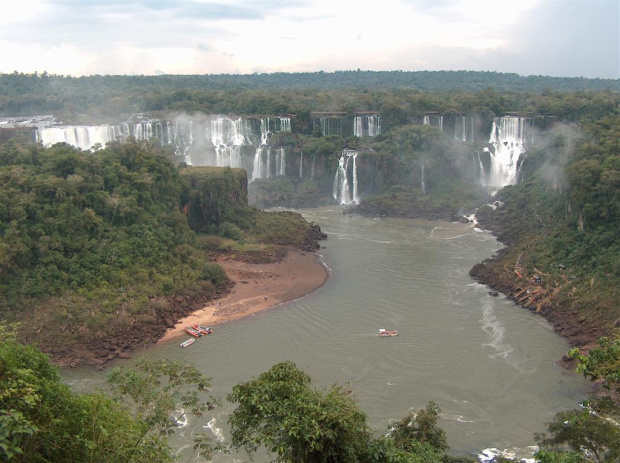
[557,148]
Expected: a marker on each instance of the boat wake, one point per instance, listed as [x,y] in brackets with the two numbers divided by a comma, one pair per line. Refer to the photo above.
[492,326]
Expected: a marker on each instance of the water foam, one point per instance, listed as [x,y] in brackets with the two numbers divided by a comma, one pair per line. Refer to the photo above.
[217,432]
[495,329]
[517,454]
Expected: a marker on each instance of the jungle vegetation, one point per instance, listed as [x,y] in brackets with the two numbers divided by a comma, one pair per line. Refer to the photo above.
[43,420]
[97,244]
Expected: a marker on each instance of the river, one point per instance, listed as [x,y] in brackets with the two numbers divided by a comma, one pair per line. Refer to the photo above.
[488,364]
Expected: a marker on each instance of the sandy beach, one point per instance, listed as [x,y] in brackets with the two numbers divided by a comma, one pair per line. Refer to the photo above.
[258,287]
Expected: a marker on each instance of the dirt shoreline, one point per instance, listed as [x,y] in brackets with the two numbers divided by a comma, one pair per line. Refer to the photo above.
[257,287]
[497,274]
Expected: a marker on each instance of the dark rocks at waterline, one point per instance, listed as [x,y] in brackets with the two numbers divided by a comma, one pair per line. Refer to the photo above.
[312,238]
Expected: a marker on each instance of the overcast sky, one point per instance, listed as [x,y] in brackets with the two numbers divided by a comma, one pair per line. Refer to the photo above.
[530,37]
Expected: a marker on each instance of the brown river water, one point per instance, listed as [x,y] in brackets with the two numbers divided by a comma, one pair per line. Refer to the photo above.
[488,364]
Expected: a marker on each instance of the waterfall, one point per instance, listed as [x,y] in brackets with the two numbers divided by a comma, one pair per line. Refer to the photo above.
[341,184]
[313,169]
[257,171]
[217,140]
[342,191]
[422,184]
[372,124]
[160,132]
[82,137]
[356,198]
[434,121]
[227,137]
[284,124]
[358,128]
[328,125]
[509,137]
[217,132]
[464,128]
[137,131]
[301,165]
[188,146]
[280,162]
[241,132]
[264,131]
[176,139]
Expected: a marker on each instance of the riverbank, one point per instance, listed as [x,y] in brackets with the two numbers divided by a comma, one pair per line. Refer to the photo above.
[538,292]
[257,287]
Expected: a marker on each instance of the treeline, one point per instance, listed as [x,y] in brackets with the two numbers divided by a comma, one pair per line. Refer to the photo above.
[396,95]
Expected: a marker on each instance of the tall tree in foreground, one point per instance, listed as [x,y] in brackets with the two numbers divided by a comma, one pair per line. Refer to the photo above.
[300,424]
[282,411]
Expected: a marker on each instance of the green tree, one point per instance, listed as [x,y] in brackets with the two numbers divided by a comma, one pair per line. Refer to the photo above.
[281,410]
[41,420]
[300,424]
[420,428]
[596,438]
[602,363]
[592,433]
[153,391]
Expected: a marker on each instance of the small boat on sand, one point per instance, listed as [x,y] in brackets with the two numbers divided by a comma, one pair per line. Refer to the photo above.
[387,333]
[203,329]
[189,342]
[193,331]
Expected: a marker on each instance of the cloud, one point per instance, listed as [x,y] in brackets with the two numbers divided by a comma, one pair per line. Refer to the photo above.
[203,47]
[572,38]
[567,38]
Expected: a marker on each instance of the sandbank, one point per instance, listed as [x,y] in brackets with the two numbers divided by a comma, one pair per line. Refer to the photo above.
[258,287]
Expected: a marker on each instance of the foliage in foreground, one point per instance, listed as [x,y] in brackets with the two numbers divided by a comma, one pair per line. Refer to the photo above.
[41,419]
[593,432]
[282,411]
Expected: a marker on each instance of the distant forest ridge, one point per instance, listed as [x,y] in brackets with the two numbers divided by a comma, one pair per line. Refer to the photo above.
[425,81]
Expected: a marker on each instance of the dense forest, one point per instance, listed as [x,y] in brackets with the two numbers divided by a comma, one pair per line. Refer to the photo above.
[397,95]
[97,248]
[93,243]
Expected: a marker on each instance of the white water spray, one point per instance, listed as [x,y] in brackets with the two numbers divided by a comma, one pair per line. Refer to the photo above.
[464,128]
[509,137]
[342,191]
[280,161]
[372,123]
